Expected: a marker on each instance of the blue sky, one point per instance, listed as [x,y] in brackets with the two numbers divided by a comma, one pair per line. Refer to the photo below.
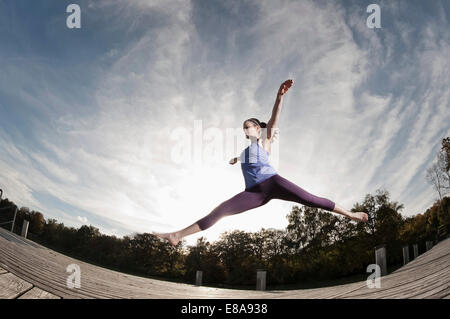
[89,117]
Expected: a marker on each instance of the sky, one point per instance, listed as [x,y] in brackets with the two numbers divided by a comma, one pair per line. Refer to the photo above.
[128,122]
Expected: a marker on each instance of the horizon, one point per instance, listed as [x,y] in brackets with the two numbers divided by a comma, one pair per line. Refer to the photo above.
[187,244]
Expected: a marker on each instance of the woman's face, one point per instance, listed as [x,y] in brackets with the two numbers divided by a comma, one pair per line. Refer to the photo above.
[251,129]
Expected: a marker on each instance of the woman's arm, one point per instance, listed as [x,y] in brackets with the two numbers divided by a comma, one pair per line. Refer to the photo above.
[273,122]
[234,160]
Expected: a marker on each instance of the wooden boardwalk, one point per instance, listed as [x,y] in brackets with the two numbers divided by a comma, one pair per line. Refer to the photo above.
[29,270]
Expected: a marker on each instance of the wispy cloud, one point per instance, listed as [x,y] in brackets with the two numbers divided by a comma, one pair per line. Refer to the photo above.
[368,108]
[83,220]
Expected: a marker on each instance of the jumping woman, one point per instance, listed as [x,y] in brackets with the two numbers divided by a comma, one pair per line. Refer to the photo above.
[262,183]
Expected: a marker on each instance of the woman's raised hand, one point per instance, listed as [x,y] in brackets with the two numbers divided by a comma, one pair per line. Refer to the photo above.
[233,160]
[285,86]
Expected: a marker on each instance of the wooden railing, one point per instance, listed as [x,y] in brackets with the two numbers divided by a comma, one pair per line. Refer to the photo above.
[5,208]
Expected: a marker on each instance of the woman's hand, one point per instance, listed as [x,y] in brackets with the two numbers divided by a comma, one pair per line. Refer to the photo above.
[285,86]
[233,160]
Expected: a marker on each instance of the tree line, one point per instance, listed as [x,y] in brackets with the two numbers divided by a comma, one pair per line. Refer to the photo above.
[316,245]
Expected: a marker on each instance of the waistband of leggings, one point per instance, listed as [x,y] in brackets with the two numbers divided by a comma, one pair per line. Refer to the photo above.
[259,184]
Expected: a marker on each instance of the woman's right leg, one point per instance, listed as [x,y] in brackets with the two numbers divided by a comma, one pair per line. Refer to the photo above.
[286,190]
[237,204]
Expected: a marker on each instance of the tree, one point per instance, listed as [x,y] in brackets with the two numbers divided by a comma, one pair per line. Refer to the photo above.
[442,163]
[446,151]
[274,253]
[196,256]
[414,229]
[144,254]
[381,212]
[438,177]
[388,225]
[235,250]
[203,257]
[311,227]
[37,223]
[296,238]
[86,233]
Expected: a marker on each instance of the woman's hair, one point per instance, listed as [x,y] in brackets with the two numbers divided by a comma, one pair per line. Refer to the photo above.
[257,122]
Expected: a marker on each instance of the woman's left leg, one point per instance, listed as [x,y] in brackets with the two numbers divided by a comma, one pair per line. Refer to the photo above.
[239,203]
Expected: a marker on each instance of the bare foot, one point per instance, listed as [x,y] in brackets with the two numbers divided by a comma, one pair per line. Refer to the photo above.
[171,237]
[359,217]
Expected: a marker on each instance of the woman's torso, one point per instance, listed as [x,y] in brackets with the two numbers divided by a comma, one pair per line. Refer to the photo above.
[255,165]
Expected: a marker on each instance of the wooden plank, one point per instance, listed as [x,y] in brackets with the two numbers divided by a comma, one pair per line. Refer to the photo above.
[161,289]
[407,285]
[431,287]
[37,293]
[421,291]
[45,279]
[41,266]
[12,286]
[17,239]
[436,293]
[46,270]
[432,264]
[412,266]
[112,285]
[412,274]
[2,271]
[133,290]
[440,251]
[407,276]
[166,292]
[40,272]
[156,288]
[92,287]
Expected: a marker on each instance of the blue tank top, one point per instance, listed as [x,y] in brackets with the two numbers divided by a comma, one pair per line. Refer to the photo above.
[255,165]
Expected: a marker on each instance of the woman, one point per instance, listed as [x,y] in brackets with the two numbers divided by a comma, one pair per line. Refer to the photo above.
[261,180]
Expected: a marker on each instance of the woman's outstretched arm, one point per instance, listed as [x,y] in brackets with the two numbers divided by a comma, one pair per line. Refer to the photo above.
[273,122]
[234,160]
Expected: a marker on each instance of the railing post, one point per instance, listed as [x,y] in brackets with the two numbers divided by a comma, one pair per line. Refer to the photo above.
[380,259]
[260,279]
[25,228]
[416,250]
[198,278]
[429,245]
[405,254]
[14,220]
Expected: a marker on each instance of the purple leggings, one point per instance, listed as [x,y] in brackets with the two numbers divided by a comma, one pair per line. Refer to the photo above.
[275,187]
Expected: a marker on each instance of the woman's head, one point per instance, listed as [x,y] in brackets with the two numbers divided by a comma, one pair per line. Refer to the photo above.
[252,128]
